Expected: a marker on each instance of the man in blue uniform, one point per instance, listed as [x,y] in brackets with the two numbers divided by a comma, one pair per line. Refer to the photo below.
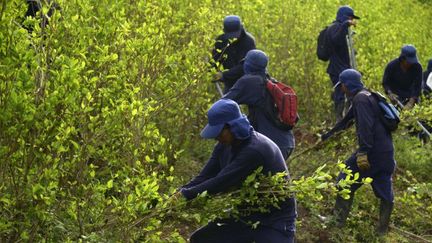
[340,60]
[402,78]
[230,49]
[375,156]
[239,152]
[251,90]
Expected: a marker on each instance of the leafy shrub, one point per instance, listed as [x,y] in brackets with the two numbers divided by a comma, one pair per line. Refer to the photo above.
[97,108]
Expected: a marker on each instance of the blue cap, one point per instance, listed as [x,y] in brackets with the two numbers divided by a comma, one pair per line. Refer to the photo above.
[222,112]
[255,62]
[344,12]
[351,78]
[232,26]
[409,53]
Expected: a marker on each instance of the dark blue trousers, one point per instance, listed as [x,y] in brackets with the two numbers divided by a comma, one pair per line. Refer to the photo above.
[382,168]
[238,232]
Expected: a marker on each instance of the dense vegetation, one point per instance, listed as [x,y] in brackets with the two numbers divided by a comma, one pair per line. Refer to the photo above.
[100,114]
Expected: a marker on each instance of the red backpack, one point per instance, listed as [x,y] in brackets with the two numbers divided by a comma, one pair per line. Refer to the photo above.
[282,107]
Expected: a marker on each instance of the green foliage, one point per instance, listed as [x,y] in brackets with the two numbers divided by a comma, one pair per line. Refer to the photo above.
[88,107]
[411,186]
[100,106]
[259,193]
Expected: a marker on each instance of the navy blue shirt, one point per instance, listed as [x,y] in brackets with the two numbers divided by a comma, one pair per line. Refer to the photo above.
[235,54]
[250,90]
[372,136]
[405,84]
[339,60]
[229,166]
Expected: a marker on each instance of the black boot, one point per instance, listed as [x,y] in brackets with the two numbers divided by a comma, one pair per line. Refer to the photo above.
[386,209]
[342,209]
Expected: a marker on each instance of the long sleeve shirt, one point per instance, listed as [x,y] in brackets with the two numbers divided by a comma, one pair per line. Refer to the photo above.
[372,136]
[405,84]
[250,90]
[231,57]
[339,60]
[229,166]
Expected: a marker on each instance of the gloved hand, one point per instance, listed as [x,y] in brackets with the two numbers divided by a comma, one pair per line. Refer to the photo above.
[217,77]
[393,97]
[362,161]
[410,104]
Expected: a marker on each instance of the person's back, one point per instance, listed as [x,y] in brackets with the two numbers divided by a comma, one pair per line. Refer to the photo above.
[250,90]
[264,152]
[371,132]
[372,136]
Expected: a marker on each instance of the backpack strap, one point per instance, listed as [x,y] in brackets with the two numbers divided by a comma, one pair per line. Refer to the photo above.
[372,100]
[389,124]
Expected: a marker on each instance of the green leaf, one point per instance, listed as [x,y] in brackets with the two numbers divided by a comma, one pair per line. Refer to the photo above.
[134,112]
[110,184]
[322,185]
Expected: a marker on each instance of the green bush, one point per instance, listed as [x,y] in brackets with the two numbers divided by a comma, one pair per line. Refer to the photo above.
[100,109]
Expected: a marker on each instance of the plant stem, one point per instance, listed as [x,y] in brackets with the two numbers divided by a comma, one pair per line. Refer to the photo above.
[3,8]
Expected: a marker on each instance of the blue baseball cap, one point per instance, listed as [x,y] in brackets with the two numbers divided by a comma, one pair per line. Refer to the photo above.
[232,26]
[346,11]
[255,61]
[222,112]
[409,53]
[351,78]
